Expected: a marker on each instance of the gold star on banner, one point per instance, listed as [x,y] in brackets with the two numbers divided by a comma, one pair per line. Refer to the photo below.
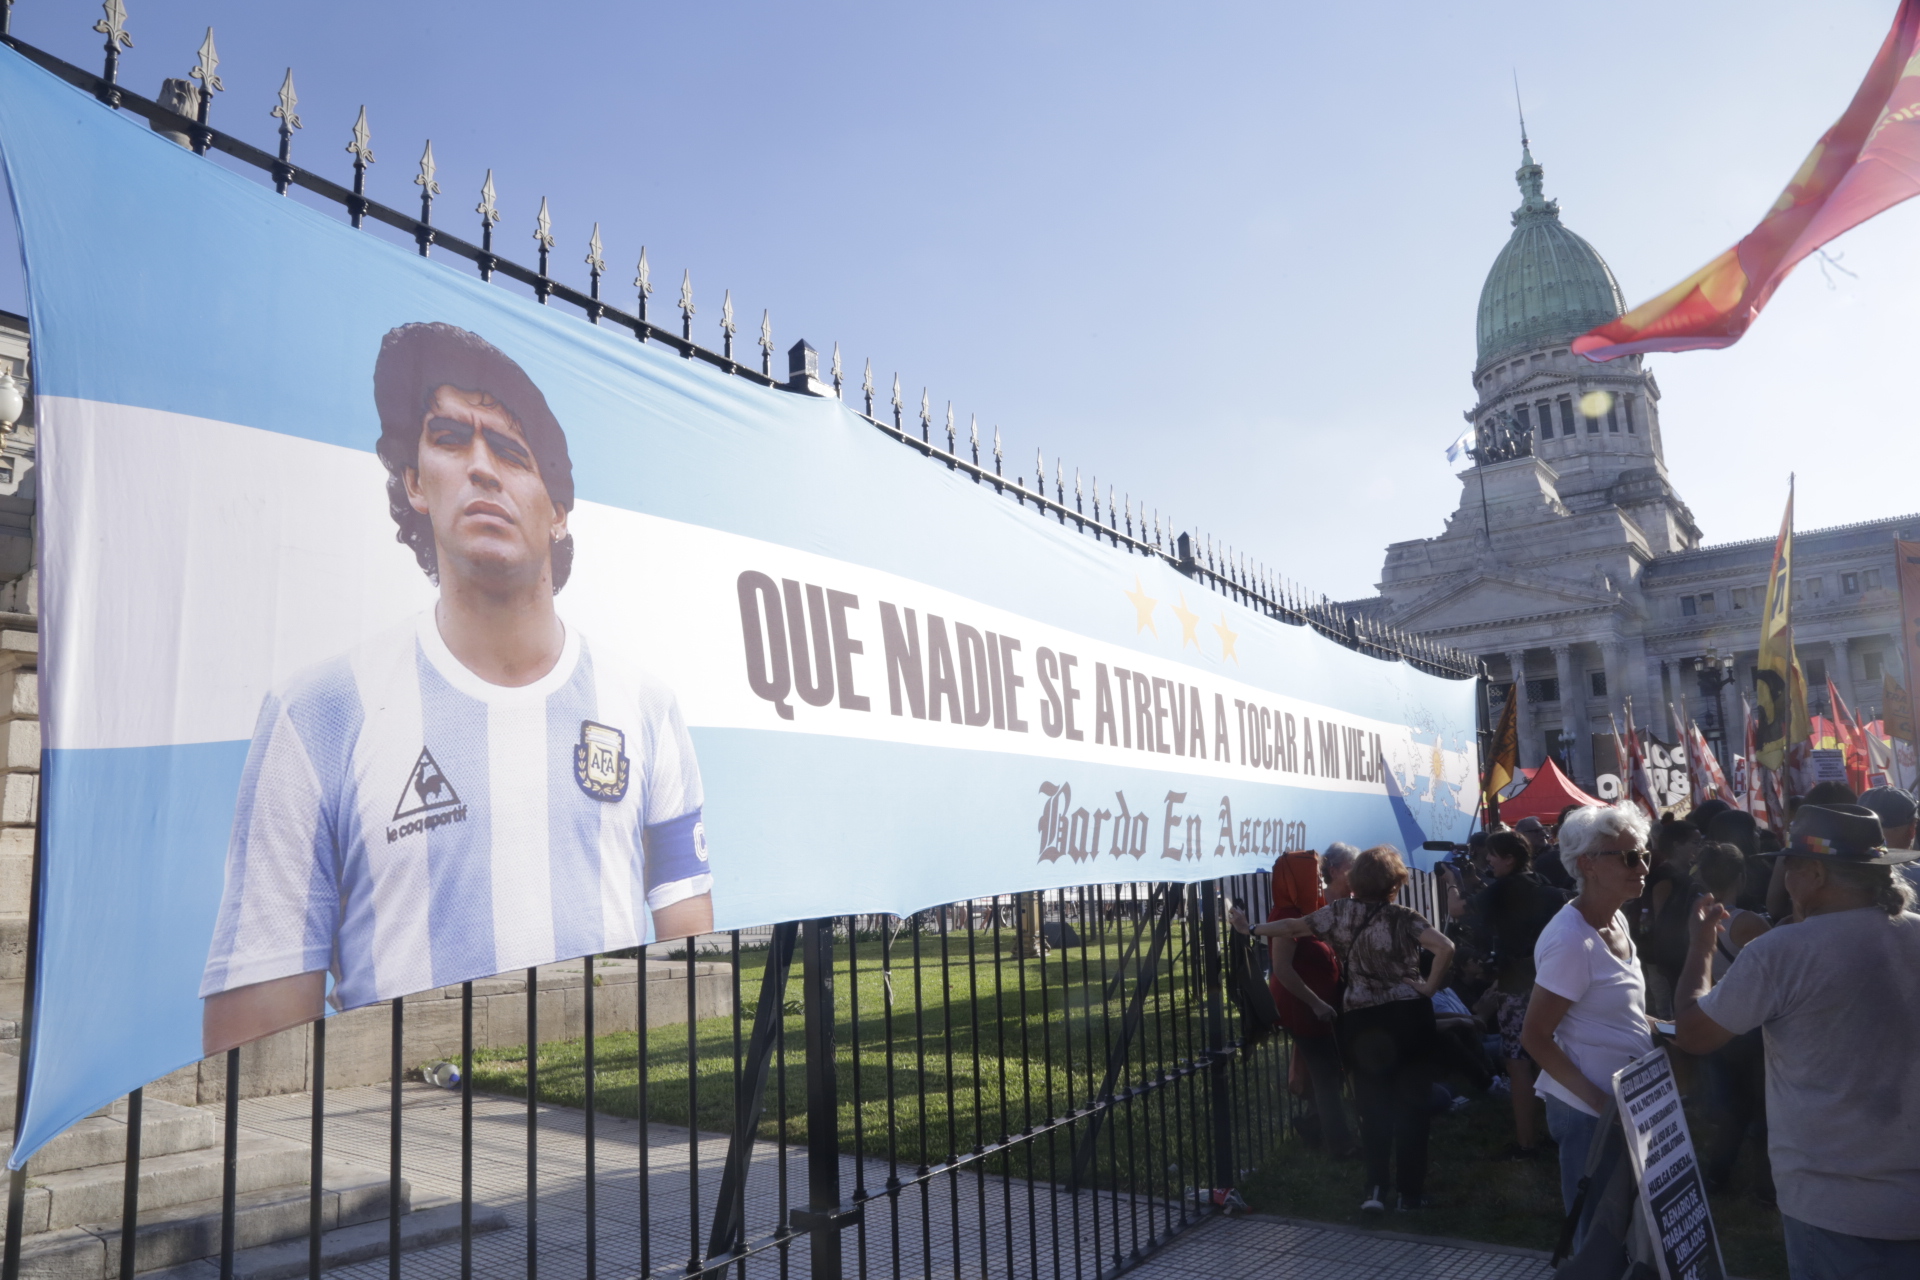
[1189,623]
[1143,604]
[1227,637]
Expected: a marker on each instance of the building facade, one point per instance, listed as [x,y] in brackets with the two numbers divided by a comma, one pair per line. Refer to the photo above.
[1572,564]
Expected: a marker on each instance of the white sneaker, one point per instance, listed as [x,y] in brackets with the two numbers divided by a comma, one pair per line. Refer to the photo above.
[1375,1201]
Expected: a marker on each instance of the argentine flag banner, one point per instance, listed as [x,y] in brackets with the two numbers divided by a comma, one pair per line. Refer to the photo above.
[399,631]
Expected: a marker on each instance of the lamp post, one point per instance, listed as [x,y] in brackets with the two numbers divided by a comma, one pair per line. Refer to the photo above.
[1715,671]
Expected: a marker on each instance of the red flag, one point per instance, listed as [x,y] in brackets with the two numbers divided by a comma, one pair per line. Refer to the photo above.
[1639,780]
[1866,163]
[1853,739]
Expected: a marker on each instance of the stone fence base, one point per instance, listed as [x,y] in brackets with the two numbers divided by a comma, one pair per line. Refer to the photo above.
[359,1041]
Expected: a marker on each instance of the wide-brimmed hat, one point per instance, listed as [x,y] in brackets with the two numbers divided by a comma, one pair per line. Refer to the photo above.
[1842,833]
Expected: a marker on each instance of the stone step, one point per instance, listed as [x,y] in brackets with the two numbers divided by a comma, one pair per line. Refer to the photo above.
[94,1195]
[165,1129]
[179,1235]
[422,1229]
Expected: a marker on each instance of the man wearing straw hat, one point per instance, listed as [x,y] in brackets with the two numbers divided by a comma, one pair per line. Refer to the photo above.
[1838,998]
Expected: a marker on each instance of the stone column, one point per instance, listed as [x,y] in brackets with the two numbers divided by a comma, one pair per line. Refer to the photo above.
[1523,717]
[1613,654]
[1647,711]
[19,796]
[1573,710]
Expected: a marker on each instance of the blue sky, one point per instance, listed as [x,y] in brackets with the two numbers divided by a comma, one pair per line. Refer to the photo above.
[1223,256]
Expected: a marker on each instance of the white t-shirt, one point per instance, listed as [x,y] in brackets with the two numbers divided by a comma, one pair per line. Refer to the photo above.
[408,825]
[1607,1026]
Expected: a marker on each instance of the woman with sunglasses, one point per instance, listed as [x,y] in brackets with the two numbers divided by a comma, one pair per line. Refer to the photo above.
[1588,1015]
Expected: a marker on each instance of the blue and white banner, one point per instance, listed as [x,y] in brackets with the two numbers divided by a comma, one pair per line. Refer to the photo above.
[399,631]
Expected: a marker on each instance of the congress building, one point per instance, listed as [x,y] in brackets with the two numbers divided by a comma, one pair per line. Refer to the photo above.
[1572,563]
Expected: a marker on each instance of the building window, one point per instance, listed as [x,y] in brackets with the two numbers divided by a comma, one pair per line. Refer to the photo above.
[1875,664]
[1849,584]
[1613,416]
[1597,681]
[1547,690]
[1813,588]
[1626,411]
[1870,579]
[1593,426]
[1688,607]
[1520,413]
[1815,669]
[1566,415]
[1560,747]
[1739,597]
[1706,602]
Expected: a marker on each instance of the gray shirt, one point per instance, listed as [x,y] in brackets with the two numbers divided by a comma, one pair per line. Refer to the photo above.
[1840,1004]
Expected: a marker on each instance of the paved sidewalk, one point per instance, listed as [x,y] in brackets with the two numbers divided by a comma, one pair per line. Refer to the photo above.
[1263,1248]
[969,1225]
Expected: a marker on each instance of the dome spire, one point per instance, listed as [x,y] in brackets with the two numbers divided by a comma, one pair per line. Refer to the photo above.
[1526,154]
[1534,206]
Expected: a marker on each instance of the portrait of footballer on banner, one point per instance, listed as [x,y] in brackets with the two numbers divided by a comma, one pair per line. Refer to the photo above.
[478,789]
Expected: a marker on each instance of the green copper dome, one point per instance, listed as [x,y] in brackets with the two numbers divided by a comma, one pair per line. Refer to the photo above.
[1548,285]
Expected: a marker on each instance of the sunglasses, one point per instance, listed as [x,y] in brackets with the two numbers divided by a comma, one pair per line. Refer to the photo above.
[1629,858]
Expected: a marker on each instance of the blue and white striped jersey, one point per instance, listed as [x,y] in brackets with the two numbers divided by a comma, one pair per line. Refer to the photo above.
[408,825]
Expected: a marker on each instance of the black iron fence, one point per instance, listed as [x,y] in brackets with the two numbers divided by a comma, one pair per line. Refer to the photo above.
[1037,1084]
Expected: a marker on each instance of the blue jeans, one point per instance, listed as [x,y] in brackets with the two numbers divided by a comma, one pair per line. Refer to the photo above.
[1814,1253]
[1573,1129]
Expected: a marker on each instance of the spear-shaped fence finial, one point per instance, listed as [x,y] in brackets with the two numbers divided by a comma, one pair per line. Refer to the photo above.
[206,72]
[950,436]
[997,459]
[766,342]
[899,405]
[643,281]
[361,148]
[489,212]
[926,418]
[596,267]
[834,372]
[686,311]
[543,235]
[289,121]
[428,190]
[866,385]
[973,437]
[114,28]
[726,323]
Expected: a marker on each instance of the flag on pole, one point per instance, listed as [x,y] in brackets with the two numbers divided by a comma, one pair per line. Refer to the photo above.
[1866,163]
[1503,757]
[1459,447]
[1639,780]
[1853,740]
[1703,768]
[1895,711]
[1906,566]
[1779,686]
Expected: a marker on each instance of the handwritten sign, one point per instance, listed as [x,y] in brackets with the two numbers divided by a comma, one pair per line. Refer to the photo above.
[1672,1192]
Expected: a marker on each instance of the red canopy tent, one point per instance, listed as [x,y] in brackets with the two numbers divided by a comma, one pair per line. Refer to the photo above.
[1544,797]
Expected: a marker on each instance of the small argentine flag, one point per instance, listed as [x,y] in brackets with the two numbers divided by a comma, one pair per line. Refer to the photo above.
[1460,446]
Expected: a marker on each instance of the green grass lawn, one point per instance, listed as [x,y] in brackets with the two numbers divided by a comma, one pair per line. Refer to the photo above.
[970,1069]
[1474,1194]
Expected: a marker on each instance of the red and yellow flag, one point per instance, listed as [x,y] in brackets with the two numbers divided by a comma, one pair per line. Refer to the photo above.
[1866,163]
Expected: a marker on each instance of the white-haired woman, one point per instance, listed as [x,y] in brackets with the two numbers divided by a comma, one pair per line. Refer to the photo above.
[1588,1014]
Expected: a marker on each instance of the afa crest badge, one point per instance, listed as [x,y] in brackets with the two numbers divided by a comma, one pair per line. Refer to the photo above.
[600,761]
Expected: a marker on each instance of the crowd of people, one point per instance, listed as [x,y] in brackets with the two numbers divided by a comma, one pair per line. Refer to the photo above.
[1783,980]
